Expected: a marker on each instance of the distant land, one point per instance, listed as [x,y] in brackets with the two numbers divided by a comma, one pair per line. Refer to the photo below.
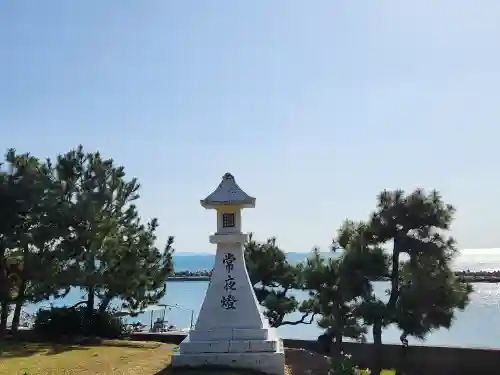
[211,253]
[466,277]
[191,254]
[480,265]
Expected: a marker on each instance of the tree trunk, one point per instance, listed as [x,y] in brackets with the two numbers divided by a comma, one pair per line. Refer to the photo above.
[19,305]
[89,310]
[377,345]
[404,351]
[103,305]
[20,297]
[4,291]
[394,294]
[5,307]
[336,349]
[338,344]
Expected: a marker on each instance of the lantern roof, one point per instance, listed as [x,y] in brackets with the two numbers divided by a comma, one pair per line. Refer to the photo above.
[228,193]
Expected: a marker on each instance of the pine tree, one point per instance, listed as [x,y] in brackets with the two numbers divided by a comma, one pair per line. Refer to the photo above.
[338,285]
[424,293]
[29,231]
[275,281]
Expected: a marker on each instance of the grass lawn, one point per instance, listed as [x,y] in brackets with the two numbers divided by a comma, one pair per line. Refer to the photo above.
[109,357]
[117,357]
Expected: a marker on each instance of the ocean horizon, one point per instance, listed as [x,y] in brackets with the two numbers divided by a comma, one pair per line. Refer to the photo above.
[467,259]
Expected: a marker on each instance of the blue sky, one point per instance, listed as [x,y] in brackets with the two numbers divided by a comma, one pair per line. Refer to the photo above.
[314,106]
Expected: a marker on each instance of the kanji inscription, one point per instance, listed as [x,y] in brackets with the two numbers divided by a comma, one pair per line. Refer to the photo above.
[228,301]
[228,261]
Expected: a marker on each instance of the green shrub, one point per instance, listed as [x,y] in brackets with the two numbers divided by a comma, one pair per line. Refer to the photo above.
[344,365]
[59,321]
[67,321]
[107,325]
[324,343]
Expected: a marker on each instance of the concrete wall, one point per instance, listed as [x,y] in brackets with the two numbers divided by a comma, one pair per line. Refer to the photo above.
[422,360]
[425,360]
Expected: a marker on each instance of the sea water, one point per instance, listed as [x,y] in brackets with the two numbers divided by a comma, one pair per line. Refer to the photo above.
[477,326]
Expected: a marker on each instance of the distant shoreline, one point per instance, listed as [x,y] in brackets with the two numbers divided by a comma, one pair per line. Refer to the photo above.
[189,278]
[470,277]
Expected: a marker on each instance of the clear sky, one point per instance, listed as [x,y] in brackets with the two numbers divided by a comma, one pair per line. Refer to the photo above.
[314,106]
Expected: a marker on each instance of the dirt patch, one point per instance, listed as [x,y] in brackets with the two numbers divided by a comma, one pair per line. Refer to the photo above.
[298,362]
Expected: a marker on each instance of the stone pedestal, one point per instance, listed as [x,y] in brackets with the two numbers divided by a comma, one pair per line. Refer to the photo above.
[231,329]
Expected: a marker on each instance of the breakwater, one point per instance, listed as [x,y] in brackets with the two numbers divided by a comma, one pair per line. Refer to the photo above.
[189,278]
[465,276]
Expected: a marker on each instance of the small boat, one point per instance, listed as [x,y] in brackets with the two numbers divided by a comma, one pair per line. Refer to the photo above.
[160,324]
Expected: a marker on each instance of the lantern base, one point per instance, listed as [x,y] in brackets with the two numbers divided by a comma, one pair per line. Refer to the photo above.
[267,356]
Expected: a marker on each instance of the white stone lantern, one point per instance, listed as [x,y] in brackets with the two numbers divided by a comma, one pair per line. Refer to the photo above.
[231,329]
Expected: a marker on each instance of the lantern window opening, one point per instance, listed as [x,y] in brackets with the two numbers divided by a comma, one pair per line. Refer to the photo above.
[228,220]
